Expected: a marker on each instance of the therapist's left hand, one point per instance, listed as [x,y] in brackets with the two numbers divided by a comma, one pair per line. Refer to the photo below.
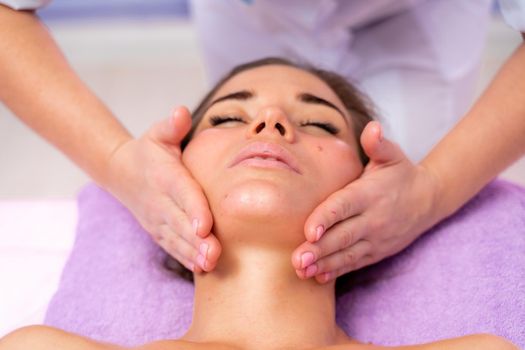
[374,217]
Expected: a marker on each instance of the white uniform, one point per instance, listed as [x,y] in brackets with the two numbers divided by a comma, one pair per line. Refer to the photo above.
[25,4]
[417,59]
[514,13]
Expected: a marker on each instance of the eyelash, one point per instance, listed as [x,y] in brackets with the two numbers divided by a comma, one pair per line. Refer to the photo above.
[328,127]
[216,120]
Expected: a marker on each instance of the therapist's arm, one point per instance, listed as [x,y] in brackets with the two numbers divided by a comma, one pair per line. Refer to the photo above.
[38,85]
[395,201]
[486,141]
[146,174]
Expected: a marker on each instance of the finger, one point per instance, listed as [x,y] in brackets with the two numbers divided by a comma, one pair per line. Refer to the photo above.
[173,129]
[212,251]
[189,197]
[346,258]
[209,250]
[340,236]
[332,275]
[180,226]
[177,247]
[339,206]
[301,273]
[379,149]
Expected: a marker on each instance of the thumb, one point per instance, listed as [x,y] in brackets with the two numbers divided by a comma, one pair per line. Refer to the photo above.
[377,148]
[173,129]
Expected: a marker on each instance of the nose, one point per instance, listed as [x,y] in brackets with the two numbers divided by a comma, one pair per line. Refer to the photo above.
[272,122]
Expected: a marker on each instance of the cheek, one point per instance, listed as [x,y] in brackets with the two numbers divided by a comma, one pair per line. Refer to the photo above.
[202,154]
[338,162]
[190,157]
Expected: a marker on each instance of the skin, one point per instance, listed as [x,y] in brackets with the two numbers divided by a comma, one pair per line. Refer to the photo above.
[259,212]
[378,215]
[139,171]
[487,140]
[253,286]
[56,104]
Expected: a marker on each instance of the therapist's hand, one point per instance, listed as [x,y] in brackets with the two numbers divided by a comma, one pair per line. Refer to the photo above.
[374,217]
[148,177]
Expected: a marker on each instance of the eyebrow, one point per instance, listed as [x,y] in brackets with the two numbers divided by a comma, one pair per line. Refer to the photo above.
[303,97]
[239,95]
[309,98]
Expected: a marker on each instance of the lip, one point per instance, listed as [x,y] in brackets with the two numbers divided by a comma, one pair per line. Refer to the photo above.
[279,156]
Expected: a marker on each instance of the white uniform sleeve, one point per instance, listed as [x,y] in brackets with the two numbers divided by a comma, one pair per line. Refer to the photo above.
[25,4]
[513,12]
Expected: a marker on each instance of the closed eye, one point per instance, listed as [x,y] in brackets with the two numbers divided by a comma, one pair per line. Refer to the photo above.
[218,119]
[328,127]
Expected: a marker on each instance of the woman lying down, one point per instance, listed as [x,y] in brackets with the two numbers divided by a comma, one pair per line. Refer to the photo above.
[269,143]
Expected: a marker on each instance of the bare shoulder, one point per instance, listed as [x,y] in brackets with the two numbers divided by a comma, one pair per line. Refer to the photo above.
[470,342]
[180,344]
[475,341]
[44,338]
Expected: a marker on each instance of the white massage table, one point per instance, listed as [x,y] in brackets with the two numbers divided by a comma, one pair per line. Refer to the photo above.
[35,239]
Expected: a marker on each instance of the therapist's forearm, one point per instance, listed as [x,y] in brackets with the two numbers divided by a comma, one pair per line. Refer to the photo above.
[486,141]
[39,86]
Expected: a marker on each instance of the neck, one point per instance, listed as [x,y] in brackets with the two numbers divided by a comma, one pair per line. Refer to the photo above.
[254,299]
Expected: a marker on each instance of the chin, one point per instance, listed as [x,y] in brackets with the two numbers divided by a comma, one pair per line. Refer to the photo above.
[261,199]
[260,212]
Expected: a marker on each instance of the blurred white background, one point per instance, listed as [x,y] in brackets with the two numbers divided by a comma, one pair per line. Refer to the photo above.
[141,67]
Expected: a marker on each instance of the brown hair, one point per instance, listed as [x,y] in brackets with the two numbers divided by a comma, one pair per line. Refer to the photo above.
[356,103]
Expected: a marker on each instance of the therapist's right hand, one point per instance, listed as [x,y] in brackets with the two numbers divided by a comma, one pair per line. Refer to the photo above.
[147,175]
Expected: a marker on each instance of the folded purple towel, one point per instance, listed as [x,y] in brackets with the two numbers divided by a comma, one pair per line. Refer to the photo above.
[466,275]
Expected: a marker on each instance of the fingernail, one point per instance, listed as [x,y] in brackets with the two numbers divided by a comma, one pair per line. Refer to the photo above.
[195,225]
[311,270]
[327,276]
[201,260]
[203,249]
[174,111]
[380,132]
[192,267]
[306,259]
[319,232]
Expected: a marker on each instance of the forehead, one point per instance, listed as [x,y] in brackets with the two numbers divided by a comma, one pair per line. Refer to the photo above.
[278,80]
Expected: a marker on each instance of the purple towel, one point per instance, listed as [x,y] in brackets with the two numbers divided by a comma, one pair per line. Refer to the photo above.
[466,275]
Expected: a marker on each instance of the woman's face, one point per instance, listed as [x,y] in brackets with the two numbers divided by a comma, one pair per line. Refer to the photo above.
[273,144]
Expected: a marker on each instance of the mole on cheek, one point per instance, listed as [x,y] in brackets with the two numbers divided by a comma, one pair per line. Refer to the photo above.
[319,148]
